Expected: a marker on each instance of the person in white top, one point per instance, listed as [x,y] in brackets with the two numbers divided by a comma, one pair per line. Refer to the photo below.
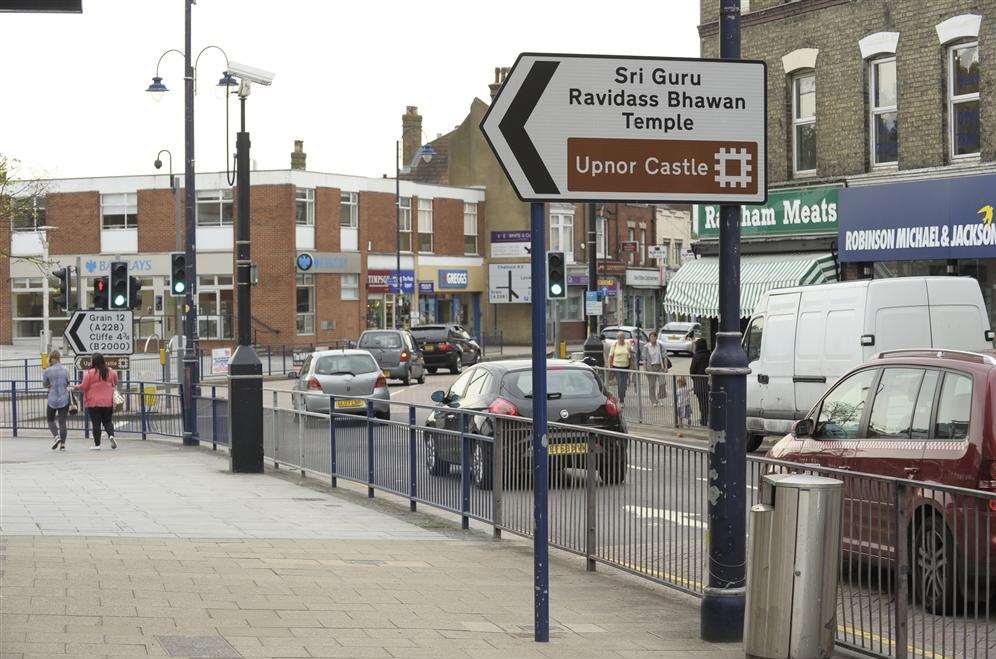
[654,366]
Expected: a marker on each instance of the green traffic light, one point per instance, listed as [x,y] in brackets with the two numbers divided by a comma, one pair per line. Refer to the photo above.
[119,300]
[555,289]
[178,287]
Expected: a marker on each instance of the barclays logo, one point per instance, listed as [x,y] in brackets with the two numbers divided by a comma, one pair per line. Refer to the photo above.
[91,265]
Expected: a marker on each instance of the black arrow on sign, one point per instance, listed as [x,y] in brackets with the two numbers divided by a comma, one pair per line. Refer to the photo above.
[73,336]
[513,126]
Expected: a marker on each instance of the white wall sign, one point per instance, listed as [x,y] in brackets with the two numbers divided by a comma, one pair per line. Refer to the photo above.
[508,283]
[643,278]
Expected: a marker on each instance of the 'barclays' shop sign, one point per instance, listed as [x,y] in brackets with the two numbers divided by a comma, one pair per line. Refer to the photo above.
[923,220]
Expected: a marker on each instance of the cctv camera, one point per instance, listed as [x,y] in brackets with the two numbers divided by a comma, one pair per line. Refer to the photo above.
[250,73]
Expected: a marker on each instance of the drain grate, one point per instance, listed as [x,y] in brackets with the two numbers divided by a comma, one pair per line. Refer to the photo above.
[197,647]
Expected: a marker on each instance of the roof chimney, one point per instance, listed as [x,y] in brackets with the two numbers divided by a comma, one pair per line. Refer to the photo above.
[298,156]
[411,134]
[500,74]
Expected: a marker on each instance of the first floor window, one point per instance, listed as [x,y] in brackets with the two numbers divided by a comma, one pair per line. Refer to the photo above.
[562,230]
[349,209]
[304,207]
[27,213]
[215,307]
[642,246]
[305,304]
[119,211]
[405,223]
[804,123]
[631,238]
[600,236]
[883,126]
[215,208]
[350,285]
[470,228]
[425,225]
[963,100]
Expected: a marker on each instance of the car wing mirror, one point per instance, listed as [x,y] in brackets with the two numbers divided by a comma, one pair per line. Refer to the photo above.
[804,428]
[438,397]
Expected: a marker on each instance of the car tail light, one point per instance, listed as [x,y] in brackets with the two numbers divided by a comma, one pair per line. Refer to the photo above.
[987,478]
[502,406]
[611,406]
[445,346]
[381,382]
[404,356]
[313,383]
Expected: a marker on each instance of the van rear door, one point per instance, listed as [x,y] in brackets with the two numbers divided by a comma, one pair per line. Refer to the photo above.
[897,315]
[958,319]
[777,365]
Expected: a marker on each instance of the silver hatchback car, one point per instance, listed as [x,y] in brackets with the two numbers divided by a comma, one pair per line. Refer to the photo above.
[396,354]
[344,374]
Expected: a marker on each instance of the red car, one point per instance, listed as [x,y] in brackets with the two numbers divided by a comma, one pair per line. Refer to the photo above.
[924,415]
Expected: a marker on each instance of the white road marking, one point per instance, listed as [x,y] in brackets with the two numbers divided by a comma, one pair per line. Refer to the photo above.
[673,516]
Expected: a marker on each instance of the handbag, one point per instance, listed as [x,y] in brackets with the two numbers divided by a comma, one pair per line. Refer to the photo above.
[118,400]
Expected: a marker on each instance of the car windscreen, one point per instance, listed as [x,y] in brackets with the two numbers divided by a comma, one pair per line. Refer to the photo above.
[429,333]
[380,340]
[679,327]
[567,382]
[341,364]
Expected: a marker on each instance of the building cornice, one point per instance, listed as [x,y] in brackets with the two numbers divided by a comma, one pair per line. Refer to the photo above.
[775,13]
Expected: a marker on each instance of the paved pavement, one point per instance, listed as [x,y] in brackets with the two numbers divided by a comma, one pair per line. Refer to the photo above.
[154,549]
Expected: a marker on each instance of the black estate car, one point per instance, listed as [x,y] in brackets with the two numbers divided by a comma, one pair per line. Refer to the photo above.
[575,396]
[446,346]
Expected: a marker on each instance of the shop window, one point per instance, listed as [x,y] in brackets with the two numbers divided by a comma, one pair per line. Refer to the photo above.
[28,312]
[470,228]
[963,100]
[27,213]
[350,285]
[425,225]
[119,211]
[405,223]
[305,298]
[883,110]
[215,303]
[562,230]
[349,209]
[304,207]
[804,124]
[215,208]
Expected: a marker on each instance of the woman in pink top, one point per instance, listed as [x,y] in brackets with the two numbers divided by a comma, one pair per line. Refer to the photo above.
[98,395]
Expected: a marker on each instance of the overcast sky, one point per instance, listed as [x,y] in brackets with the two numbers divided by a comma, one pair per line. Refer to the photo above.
[74,85]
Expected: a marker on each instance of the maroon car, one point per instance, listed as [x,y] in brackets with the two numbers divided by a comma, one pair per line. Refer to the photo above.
[918,415]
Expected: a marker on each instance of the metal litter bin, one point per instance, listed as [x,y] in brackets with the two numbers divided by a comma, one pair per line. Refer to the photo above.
[792,567]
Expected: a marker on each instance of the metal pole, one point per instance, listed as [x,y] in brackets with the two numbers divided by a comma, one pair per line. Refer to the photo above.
[541,565]
[397,231]
[190,365]
[592,263]
[175,184]
[722,609]
[245,371]
[46,332]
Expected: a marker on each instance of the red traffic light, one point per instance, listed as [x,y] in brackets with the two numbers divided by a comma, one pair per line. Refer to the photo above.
[101,285]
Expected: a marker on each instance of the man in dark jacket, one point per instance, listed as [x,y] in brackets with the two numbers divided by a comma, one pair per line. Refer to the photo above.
[700,381]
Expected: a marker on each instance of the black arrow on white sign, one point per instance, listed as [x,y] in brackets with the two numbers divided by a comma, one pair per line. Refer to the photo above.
[72,333]
[513,126]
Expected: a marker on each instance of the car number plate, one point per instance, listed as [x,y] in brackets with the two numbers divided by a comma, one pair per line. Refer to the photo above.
[672,337]
[349,403]
[428,348]
[567,449]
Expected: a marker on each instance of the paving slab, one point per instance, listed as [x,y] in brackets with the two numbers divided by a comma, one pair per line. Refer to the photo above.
[156,549]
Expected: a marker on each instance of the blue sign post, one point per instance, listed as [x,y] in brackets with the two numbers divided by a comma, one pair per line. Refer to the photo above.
[541,563]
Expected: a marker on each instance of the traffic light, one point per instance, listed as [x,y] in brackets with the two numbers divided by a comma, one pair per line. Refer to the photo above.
[100,293]
[62,293]
[134,292]
[178,274]
[119,285]
[556,276]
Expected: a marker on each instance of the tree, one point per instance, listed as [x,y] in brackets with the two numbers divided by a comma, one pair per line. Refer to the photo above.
[22,206]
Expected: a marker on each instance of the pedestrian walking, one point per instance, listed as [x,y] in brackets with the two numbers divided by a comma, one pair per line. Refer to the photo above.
[55,378]
[99,389]
[654,367]
[700,383]
[621,358]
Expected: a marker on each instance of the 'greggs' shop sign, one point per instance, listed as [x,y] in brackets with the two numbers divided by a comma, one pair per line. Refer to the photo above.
[808,210]
[921,220]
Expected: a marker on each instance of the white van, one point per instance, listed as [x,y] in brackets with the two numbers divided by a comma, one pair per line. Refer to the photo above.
[801,340]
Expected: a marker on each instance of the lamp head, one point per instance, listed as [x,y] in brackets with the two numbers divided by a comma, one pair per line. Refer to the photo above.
[227,80]
[158,163]
[157,86]
[426,153]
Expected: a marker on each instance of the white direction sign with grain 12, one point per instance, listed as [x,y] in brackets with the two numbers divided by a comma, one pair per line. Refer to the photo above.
[608,128]
[106,332]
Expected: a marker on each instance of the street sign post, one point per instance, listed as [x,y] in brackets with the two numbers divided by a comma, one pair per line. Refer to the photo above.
[106,332]
[609,128]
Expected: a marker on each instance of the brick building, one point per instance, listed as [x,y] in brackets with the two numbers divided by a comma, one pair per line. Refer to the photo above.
[631,279]
[885,111]
[345,224]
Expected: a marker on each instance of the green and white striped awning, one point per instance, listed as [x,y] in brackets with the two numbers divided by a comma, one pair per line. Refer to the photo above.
[694,289]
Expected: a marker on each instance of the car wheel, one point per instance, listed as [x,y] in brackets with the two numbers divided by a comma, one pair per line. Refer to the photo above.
[754,442]
[457,366]
[407,380]
[384,416]
[421,378]
[935,579]
[436,465]
[482,465]
[612,464]
[432,371]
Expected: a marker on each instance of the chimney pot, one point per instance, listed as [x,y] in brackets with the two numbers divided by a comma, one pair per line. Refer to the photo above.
[411,134]
[298,156]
